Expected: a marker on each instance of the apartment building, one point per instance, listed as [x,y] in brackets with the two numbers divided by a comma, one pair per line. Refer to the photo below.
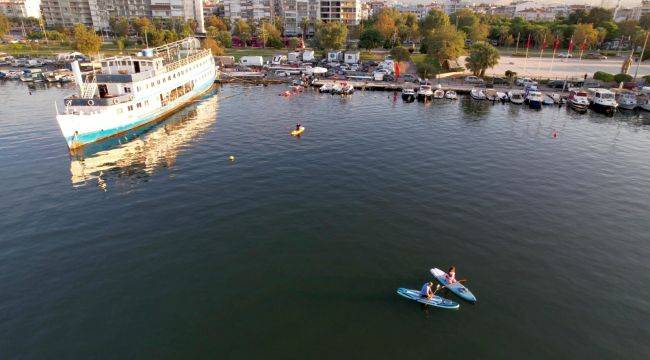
[21,8]
[253,10]
[294,11]
[345,11]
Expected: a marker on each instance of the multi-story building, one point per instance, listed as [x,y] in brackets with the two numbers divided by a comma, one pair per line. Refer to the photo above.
[345,11]
[96,13]
[21,8]
[253,10]
[294,11]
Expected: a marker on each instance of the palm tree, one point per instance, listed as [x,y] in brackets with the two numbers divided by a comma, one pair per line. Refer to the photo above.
[304,25]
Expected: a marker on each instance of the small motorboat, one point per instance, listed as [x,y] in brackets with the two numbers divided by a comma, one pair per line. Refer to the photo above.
[548,100]
[477,94]
[346,89]
[326,88]
[451,95]
[408,94]
[642,101]
[603,101]
[425,93]
[578,101]
[503,97]
[438,94]
[516,97]
[626,100]
[491,95]
[535,99]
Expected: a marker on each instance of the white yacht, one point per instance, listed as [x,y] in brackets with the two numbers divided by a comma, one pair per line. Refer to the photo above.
[451,95]
[578,100]
[425,92]
[438,94]
[516,97]
[535,99]
[626,100]
[132,91]
[477,94]
[408,94]
[602,100]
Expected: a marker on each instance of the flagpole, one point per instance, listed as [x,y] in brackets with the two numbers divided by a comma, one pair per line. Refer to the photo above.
[550,69]
[636,72]
[517,46]
[526,59]
[541,52]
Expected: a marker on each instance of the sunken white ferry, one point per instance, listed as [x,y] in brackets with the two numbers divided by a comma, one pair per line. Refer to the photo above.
[132,91]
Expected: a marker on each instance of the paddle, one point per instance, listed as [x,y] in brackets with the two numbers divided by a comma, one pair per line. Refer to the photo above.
[438,287]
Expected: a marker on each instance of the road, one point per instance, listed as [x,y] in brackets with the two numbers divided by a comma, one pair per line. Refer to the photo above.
[561,67]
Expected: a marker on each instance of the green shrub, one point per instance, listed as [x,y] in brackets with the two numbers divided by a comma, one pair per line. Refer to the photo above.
[619,78]
[646,79]
[519,54]
[510,74]
[603,76]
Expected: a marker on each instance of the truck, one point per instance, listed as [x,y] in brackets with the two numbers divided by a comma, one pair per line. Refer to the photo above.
[251,60]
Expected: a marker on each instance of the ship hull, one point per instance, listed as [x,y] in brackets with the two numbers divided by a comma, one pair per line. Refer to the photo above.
[100,128]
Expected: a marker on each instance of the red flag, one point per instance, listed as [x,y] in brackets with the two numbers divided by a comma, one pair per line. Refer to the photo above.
[584,45]
[570,45]
[528,42]
[556,43]
[396,69]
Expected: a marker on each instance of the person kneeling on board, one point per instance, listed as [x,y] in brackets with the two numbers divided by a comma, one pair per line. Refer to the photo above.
[451,275]
[426,290]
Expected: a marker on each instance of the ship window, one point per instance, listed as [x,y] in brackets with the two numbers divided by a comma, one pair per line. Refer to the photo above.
[139,105]
[146,103]
[130,107]
[127,89]
[158,82]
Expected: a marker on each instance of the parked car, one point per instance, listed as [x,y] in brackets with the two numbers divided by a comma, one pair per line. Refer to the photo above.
[411,78]
[499,81]
[595,55]
[525,82]
[565,55]
[558,84]
[474,80]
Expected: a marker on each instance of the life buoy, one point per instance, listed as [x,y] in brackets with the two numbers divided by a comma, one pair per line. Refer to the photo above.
[68,103]
[91,103]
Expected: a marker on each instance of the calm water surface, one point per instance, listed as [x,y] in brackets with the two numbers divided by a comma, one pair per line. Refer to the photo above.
[157,246]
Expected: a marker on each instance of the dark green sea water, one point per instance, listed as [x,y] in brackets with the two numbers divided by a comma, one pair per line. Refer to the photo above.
[160,247]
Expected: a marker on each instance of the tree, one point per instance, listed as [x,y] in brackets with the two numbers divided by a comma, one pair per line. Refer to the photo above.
[4,25]
[435,19]
[400,54]
[370,38]
[479,32]
[86,41]
[585,33]
[294,43]
[465,20]
[224,39]
[120,26]
[445,43]
[119,43]
[142,25]
[211,44]
[242,30]
[428,68]
[304,26]
[628,28]
[385,23]
[645,21]
[216,22]
[331,35]
[481,57]
[267,31]
[577,17]
[598,15]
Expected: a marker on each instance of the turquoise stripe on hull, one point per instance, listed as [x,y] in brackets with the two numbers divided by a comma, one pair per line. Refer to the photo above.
[102,134]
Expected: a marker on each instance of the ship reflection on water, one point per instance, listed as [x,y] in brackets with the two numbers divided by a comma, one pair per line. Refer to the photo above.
[138,154]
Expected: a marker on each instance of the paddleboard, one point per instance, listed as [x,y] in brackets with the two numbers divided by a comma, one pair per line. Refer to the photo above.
[298,132]
[457,288]
[436,301]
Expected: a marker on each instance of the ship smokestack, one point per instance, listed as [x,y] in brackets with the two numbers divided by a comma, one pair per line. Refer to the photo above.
[77,75]
[198,15]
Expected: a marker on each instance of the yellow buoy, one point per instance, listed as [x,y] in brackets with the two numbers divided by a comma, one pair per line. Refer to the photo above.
[231,158]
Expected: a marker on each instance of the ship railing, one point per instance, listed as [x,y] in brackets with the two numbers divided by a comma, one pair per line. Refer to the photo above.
[186,60]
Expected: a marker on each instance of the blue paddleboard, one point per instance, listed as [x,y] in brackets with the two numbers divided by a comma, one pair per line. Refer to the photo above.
[436,301]
[457,288]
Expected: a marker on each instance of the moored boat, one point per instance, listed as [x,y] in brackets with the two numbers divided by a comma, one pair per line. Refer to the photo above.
[491,94]
[548,100]
[578,100]
[408,94]
[626,100]
[326,88]
[425,92]
[534,99]
[643,100]
[438,94]
[477,94]
[132,91]
[516,97]
[451,95]
[602,100]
